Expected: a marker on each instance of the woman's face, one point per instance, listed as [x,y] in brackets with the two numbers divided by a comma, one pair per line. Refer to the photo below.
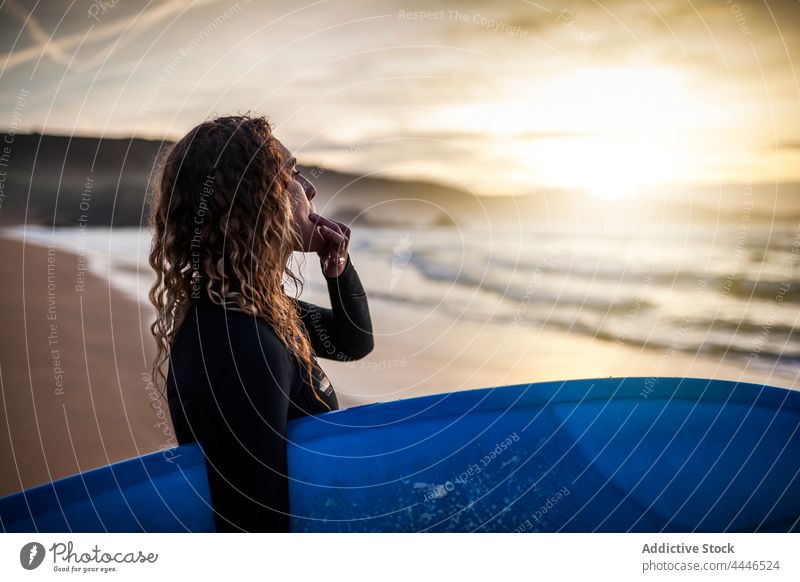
[302,193]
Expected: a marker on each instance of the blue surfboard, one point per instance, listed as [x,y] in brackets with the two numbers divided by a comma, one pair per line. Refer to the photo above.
[159,492]
[608,455]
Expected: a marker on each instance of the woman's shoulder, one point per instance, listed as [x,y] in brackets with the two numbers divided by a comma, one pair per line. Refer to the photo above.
[227,322]
[216,345]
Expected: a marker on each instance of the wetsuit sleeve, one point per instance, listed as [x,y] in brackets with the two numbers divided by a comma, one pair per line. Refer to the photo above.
[245,425]
[343,332]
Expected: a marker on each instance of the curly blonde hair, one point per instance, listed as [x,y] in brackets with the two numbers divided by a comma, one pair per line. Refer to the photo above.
[222,222]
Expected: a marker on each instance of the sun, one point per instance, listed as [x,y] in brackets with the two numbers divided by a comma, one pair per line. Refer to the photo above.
[611,132]
[605,167]
[611,168]
[611,192]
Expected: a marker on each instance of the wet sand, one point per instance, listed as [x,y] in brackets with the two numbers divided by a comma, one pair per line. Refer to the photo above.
[75,353]
[438,355]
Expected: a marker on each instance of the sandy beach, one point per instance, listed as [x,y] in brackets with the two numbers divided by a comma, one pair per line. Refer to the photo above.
[72,357]
[75,354]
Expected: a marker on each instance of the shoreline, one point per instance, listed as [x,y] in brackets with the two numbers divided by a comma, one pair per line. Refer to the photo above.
[457,358]
[70,391]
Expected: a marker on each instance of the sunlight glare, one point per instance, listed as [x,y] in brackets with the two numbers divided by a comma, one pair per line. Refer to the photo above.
[611,132]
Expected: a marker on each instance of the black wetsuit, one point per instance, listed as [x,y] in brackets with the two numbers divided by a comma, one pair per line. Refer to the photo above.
[232,385]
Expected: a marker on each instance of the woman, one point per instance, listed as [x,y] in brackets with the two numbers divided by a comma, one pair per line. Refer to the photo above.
[230,209]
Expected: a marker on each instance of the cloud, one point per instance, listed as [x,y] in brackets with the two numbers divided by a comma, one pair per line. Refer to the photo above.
[43,44]
[55,48]
[350,71]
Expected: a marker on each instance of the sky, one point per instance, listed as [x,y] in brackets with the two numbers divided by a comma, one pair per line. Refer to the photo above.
[500,97]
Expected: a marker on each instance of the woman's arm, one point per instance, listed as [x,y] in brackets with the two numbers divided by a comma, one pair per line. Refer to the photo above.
[343,332]
[243,426]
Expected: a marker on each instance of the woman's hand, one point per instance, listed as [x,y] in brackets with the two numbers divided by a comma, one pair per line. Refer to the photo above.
[335,241]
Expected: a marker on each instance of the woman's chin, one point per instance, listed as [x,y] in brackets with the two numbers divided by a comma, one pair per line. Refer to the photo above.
[313,246]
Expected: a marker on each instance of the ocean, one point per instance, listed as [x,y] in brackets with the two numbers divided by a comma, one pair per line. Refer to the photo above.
[732,290]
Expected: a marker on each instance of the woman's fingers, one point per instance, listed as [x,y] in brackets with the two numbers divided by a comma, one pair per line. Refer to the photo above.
[345,230]
[338,249]
[337,239]
[320,220]
[337,234]
[331,224]
[340,226]
[334,257]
